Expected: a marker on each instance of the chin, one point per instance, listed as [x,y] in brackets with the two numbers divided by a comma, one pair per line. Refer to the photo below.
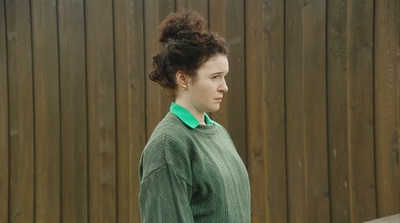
[214,108]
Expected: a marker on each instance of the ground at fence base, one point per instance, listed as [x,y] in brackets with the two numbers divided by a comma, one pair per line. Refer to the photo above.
[389,219]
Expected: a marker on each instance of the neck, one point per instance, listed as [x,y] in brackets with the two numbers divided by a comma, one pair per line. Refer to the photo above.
[198,115]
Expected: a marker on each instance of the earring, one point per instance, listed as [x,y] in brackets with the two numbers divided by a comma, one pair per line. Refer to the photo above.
[184,87]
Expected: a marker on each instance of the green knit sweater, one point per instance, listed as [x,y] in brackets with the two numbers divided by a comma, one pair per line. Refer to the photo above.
[192,175]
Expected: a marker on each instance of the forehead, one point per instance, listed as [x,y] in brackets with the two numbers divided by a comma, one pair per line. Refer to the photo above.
[216,64]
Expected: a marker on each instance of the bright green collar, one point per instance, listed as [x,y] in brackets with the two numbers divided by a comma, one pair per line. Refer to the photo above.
[187,117]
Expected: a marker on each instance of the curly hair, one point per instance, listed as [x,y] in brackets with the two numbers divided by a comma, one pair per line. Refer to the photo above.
[186,44]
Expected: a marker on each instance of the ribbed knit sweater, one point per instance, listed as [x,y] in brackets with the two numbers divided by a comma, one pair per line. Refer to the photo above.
[192,175]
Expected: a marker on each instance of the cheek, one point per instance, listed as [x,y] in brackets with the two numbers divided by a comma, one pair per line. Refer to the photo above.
[209,87]
[204,89]
[200,88]
[201,94]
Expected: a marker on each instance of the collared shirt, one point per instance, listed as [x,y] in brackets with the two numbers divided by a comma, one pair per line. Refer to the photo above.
[186,117]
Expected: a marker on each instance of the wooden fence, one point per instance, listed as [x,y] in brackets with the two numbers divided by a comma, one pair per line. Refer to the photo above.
[313,105]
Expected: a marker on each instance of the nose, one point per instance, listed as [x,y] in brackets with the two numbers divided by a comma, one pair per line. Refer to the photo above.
[223,87]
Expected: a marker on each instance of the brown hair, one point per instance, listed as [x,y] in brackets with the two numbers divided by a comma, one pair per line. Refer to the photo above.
[185,45]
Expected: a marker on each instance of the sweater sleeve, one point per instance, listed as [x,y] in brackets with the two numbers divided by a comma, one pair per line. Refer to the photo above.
[164,190]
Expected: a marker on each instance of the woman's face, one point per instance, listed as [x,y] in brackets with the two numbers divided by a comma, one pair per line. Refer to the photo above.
[206,90]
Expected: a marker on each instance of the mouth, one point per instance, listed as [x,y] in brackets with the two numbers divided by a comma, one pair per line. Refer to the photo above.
[218,99]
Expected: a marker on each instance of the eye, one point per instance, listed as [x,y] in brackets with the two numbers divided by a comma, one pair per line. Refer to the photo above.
[214,77]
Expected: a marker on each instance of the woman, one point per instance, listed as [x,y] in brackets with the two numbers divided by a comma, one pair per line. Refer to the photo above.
[189,170]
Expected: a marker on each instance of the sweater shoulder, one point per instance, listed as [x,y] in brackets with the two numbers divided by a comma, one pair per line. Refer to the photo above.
[170,126]
[167,146]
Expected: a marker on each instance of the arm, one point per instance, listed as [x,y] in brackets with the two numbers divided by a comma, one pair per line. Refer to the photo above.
[164,189]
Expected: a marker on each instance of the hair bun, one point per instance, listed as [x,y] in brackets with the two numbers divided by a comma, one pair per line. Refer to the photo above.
[182,25]
[186,44]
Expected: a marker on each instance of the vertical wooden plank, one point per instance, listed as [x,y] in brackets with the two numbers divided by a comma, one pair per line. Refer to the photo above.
[266,157]
[337,112]
[157,102]
[74,165]
[360,110]
[386,90]
[19,50]
[397,45]
[130,96]
[101,110]
[275,121]
[47,113]
[200,6]
[295,111]
[308,188]
[227,19]
[398,90]
[315,129]
[4,143]
[256,108]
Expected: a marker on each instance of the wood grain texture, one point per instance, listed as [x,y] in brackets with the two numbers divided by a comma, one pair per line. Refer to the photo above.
[386,78]
[130,94]
[4,133]
[256,129]
[47,111]
[295,112]
[21,118]
[157,101]
[227,20]
[308,188]
[313,105]
[74,142]
[266,157]
[360,111]
[315,128]
[200,6]
[101,111]
[337,79]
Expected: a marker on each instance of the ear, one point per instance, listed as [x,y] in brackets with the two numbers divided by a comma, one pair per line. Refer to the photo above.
[182,78]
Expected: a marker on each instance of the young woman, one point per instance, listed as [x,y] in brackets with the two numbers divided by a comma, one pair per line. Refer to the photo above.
[190,170]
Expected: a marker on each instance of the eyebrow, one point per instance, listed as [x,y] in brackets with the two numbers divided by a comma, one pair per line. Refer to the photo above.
[220,73]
